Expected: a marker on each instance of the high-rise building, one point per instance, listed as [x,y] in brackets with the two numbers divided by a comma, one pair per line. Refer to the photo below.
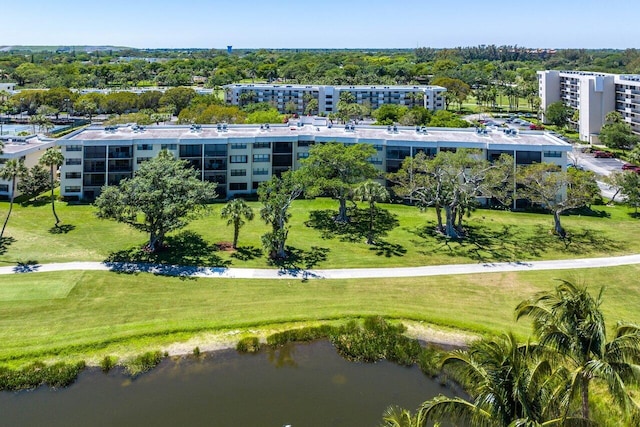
[593,95]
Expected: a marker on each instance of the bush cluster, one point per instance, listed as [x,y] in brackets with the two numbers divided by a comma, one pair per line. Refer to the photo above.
[248,345]
[57,375]
[143,363]
[300,335]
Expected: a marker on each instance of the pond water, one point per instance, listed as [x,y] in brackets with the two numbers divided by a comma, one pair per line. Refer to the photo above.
[14,129]
[304,385]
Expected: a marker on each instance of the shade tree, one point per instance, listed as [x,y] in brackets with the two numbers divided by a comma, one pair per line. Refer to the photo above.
[336,169]
[163,196]
[546,185]
[451,183]
[276,196]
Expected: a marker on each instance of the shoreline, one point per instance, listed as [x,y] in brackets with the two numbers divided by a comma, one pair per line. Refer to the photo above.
[212,342]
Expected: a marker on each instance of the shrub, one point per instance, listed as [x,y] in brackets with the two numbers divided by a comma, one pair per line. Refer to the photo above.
[196,352]
[376,340]
[107,364]
[300,335]
[248,345]
[143,363]
[57,375]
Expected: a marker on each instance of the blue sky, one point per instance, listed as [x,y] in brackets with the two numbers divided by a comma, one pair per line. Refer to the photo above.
[322,24]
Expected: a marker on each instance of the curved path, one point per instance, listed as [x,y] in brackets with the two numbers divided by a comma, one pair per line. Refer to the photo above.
[353,273]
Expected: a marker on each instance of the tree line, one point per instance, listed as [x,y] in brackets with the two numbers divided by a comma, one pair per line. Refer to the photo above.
[453,183]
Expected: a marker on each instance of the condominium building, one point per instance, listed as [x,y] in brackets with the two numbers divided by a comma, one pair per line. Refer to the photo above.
[593,95]
[29,149]
[240,157]
[295,98]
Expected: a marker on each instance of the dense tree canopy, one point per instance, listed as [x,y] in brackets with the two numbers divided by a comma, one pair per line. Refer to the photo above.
[163,196]
[336,169]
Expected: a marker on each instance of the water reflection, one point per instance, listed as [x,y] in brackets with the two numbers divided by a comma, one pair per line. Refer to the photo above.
[305,385]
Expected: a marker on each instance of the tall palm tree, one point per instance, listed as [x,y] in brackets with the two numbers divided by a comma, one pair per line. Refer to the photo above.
[568,321]
[235,211]
[52,158]
[372,192]
[509,385]
[12,170]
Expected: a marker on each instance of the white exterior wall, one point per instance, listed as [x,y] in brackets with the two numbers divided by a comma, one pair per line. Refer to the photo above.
[250,141]
[594,95]
[328,96]
[28,149]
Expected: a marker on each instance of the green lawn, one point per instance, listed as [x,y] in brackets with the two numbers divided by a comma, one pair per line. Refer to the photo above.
[87,315]
[317,242]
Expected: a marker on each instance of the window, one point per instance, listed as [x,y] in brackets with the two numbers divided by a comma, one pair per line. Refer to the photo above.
[144,147]
[237,146]
[235,186]
[72,189]
[261,145]
[552,154]
[378,147]
[303,155]
[142,159]
[261,171]
[304,143]
[238,172]
[169,146]
[73,175]
[237,159]
[4,188]
[375,160]
[191,150]
[73,148]
[69,162]
[260,158]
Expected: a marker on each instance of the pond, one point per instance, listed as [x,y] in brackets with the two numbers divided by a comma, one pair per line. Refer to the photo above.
[302,385]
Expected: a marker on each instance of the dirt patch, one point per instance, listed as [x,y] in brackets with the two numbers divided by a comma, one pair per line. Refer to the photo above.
[225,246]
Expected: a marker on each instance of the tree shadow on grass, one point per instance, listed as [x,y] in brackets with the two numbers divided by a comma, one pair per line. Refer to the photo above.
[247,253]
[511,243]
[62,229]
[5,242]
[299,261]
[386,249]
[357,228]
[184,249]
[635,215]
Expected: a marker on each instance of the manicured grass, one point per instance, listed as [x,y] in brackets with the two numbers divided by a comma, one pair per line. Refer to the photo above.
[494,236]
[118,314]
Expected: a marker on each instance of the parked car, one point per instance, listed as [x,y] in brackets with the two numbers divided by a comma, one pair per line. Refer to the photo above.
[628,166]
[602,155]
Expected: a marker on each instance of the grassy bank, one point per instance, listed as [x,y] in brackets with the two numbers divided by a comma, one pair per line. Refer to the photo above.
[89,315]
[316,241]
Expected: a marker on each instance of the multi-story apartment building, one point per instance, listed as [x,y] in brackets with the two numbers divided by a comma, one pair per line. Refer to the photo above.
[294,98]
[593,95]
[29,149]
[239,157]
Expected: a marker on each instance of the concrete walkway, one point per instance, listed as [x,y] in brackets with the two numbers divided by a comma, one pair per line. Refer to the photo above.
[353,273]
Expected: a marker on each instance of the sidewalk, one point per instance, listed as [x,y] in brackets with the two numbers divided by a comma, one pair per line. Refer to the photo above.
[354,273]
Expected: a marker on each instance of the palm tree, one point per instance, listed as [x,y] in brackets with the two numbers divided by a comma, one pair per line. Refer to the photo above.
[234,211]
[395,416]
[568,321]
[510,386]
[12,170]
[372,192]
[54,159]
